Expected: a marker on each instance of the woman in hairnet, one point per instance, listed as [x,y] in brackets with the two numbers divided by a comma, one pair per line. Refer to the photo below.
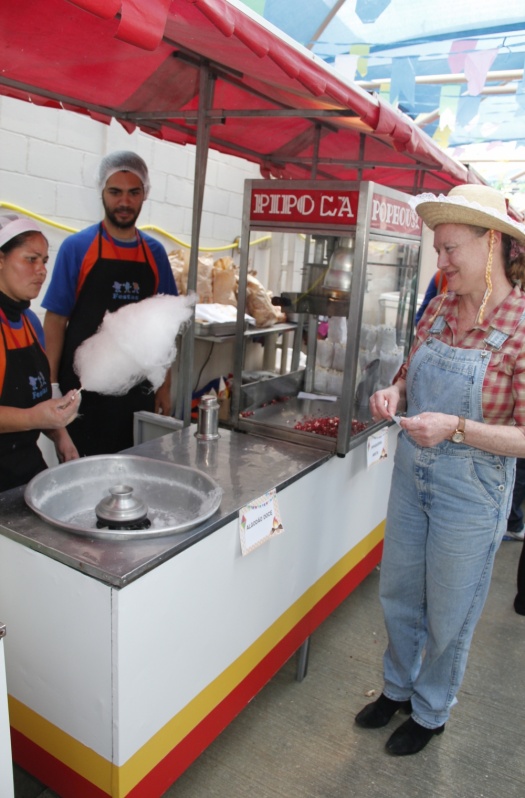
[463,389]
[26,406]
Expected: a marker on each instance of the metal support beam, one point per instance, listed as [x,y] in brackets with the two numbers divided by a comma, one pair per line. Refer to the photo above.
[184,383]
[219,115]
[503,75]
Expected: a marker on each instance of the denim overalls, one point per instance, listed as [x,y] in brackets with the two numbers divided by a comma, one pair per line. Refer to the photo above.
[447,514]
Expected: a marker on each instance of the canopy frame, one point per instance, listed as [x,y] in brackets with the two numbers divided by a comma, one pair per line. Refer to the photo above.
[207,73]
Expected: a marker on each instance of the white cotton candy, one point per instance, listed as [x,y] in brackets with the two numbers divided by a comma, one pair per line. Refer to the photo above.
[135,343]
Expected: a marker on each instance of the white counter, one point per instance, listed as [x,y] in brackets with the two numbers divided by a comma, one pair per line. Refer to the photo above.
[114,689]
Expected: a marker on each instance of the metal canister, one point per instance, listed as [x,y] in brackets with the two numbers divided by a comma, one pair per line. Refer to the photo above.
[208,421]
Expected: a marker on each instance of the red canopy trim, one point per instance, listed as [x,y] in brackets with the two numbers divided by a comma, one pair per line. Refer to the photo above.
[141,24]
[141,62]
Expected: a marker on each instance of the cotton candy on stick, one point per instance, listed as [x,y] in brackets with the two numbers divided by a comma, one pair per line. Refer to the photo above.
[134,343]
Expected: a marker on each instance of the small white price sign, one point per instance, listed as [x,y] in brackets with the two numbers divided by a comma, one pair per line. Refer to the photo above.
[377,447]
[259,521]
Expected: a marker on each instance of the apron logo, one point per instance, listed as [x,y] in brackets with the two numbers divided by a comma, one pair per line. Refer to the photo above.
[126,292]
[38,385]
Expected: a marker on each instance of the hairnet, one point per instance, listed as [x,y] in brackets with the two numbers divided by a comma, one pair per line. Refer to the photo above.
[123,161]
[11,225]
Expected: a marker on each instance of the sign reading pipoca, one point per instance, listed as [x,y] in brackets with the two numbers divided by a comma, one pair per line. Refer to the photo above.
[312,206]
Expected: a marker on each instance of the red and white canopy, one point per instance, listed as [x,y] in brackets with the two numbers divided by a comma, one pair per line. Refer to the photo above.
[265,99]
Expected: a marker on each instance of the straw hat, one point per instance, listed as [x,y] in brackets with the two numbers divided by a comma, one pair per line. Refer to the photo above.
[469,204]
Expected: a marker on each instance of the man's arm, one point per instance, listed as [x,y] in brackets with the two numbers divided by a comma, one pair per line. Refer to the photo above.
[54,332]
[163,396]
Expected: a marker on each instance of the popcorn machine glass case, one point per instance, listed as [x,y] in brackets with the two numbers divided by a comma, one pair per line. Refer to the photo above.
[351,298]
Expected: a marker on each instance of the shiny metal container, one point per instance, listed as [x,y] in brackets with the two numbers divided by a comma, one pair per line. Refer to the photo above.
[208,421]
[339,274]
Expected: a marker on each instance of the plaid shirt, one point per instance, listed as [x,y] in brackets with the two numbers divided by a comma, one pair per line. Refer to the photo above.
[504,384]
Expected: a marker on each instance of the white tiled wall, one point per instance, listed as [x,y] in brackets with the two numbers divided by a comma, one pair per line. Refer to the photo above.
[48,161]
[49,157]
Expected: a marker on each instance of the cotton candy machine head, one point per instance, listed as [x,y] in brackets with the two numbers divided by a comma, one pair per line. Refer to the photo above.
[120,509]
[119,497]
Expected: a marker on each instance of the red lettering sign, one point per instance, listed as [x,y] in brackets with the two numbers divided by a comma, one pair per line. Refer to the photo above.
[309,206]
[393,215]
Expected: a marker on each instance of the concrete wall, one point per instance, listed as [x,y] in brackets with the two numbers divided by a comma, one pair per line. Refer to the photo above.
[48,161]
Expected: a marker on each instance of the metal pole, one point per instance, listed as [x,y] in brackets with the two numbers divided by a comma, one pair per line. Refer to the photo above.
[185,374]
[302,660]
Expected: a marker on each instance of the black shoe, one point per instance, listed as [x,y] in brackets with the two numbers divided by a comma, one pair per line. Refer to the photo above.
[379,713]
[410,738]
[519,604]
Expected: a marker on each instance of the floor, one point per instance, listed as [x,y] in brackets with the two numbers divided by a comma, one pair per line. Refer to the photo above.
[298,739]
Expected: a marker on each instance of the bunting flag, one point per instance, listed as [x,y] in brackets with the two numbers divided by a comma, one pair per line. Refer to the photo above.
[346,64]
[477,65]
[459,50]
[448,105]
[353,63]
[403,81]
[520,92]
[370,10]
[468,109]
[256,5]
[362,51]
[384,92]
[464,57]
[442,137]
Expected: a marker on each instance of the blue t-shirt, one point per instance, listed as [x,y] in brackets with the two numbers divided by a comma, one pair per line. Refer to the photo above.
[78,252]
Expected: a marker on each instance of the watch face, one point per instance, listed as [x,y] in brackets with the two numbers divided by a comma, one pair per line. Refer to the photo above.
[458,436]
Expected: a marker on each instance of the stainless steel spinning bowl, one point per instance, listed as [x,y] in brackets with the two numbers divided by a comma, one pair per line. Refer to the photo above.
[177,497]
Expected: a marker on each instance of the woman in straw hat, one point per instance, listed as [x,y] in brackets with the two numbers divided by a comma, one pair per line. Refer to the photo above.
[26,406]
[463,389]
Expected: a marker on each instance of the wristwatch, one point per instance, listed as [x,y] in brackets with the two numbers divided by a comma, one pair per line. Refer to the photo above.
[459,435]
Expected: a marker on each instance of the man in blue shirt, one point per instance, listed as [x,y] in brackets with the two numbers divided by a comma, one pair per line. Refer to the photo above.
[101,269]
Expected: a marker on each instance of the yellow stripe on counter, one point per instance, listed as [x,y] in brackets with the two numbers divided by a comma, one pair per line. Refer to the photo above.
[119,781]
[77,756]
[167,738]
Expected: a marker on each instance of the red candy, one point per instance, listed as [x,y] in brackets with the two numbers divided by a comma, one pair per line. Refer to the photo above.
[328,425]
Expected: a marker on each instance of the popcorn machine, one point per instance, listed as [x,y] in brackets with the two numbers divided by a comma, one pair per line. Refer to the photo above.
[349,295]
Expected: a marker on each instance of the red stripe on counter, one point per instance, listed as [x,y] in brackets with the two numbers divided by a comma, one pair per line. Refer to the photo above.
[186,752]
[51,771]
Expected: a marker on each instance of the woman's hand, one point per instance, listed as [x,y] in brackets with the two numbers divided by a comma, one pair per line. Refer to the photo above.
[49,415]
[384,403]
[56,413]
[429,429]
